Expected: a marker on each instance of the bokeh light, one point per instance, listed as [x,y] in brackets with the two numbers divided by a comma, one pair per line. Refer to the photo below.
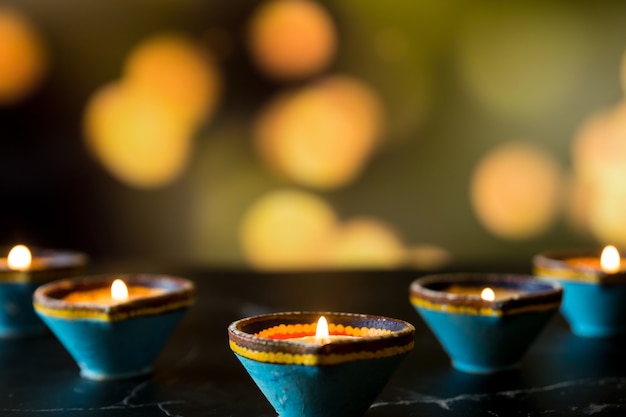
[606,215]
[287,229]
[598,198]
[176,69]
[292,38]
[516,191]
[23,58]
[290,229]
[365,243]
[321,136]
[591,146]
[599,149]
[137,138]
[141,128]
[521,60]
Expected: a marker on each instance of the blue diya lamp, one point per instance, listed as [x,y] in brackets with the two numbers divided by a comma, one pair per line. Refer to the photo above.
[594,301]
[20,275]
[114,336]
[485,322]
[302,375]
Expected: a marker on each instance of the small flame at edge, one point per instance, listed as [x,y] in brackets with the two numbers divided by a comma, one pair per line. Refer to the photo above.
[487,294]
[19,258]
[610,261]
[119,290]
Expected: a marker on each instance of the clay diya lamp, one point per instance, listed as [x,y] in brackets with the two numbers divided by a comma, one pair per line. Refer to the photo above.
[22,270]
[485,322]
[307,366]
[594,301]
[114,326]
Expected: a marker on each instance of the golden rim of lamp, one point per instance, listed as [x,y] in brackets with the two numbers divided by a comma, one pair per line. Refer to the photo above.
[170,294]
[590,265]
[522,294]
[280,338]
[21,264]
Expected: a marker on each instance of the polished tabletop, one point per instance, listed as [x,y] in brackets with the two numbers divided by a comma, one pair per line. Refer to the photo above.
[197,374]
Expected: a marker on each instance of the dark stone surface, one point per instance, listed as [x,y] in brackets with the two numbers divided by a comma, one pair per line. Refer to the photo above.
[197,375]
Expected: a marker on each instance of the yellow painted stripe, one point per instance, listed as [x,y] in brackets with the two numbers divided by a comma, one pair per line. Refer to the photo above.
[446,308]
[313,360]
[569,275]
[452,309]
[74,314]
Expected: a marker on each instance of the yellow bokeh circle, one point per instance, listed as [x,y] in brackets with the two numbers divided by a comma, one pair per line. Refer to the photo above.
[516,191]
[321,136]
[365,242]
[292,38]
[23,59]
[598,194]
[137,138]
[141,127]
[175,68]
[287,229]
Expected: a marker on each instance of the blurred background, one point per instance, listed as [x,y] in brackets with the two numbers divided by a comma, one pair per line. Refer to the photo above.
[299,134]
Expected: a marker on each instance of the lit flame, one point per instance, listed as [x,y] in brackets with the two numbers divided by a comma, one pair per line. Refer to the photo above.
[119,291]
[610,260]
[19,258]
[321,333]
[487,294]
